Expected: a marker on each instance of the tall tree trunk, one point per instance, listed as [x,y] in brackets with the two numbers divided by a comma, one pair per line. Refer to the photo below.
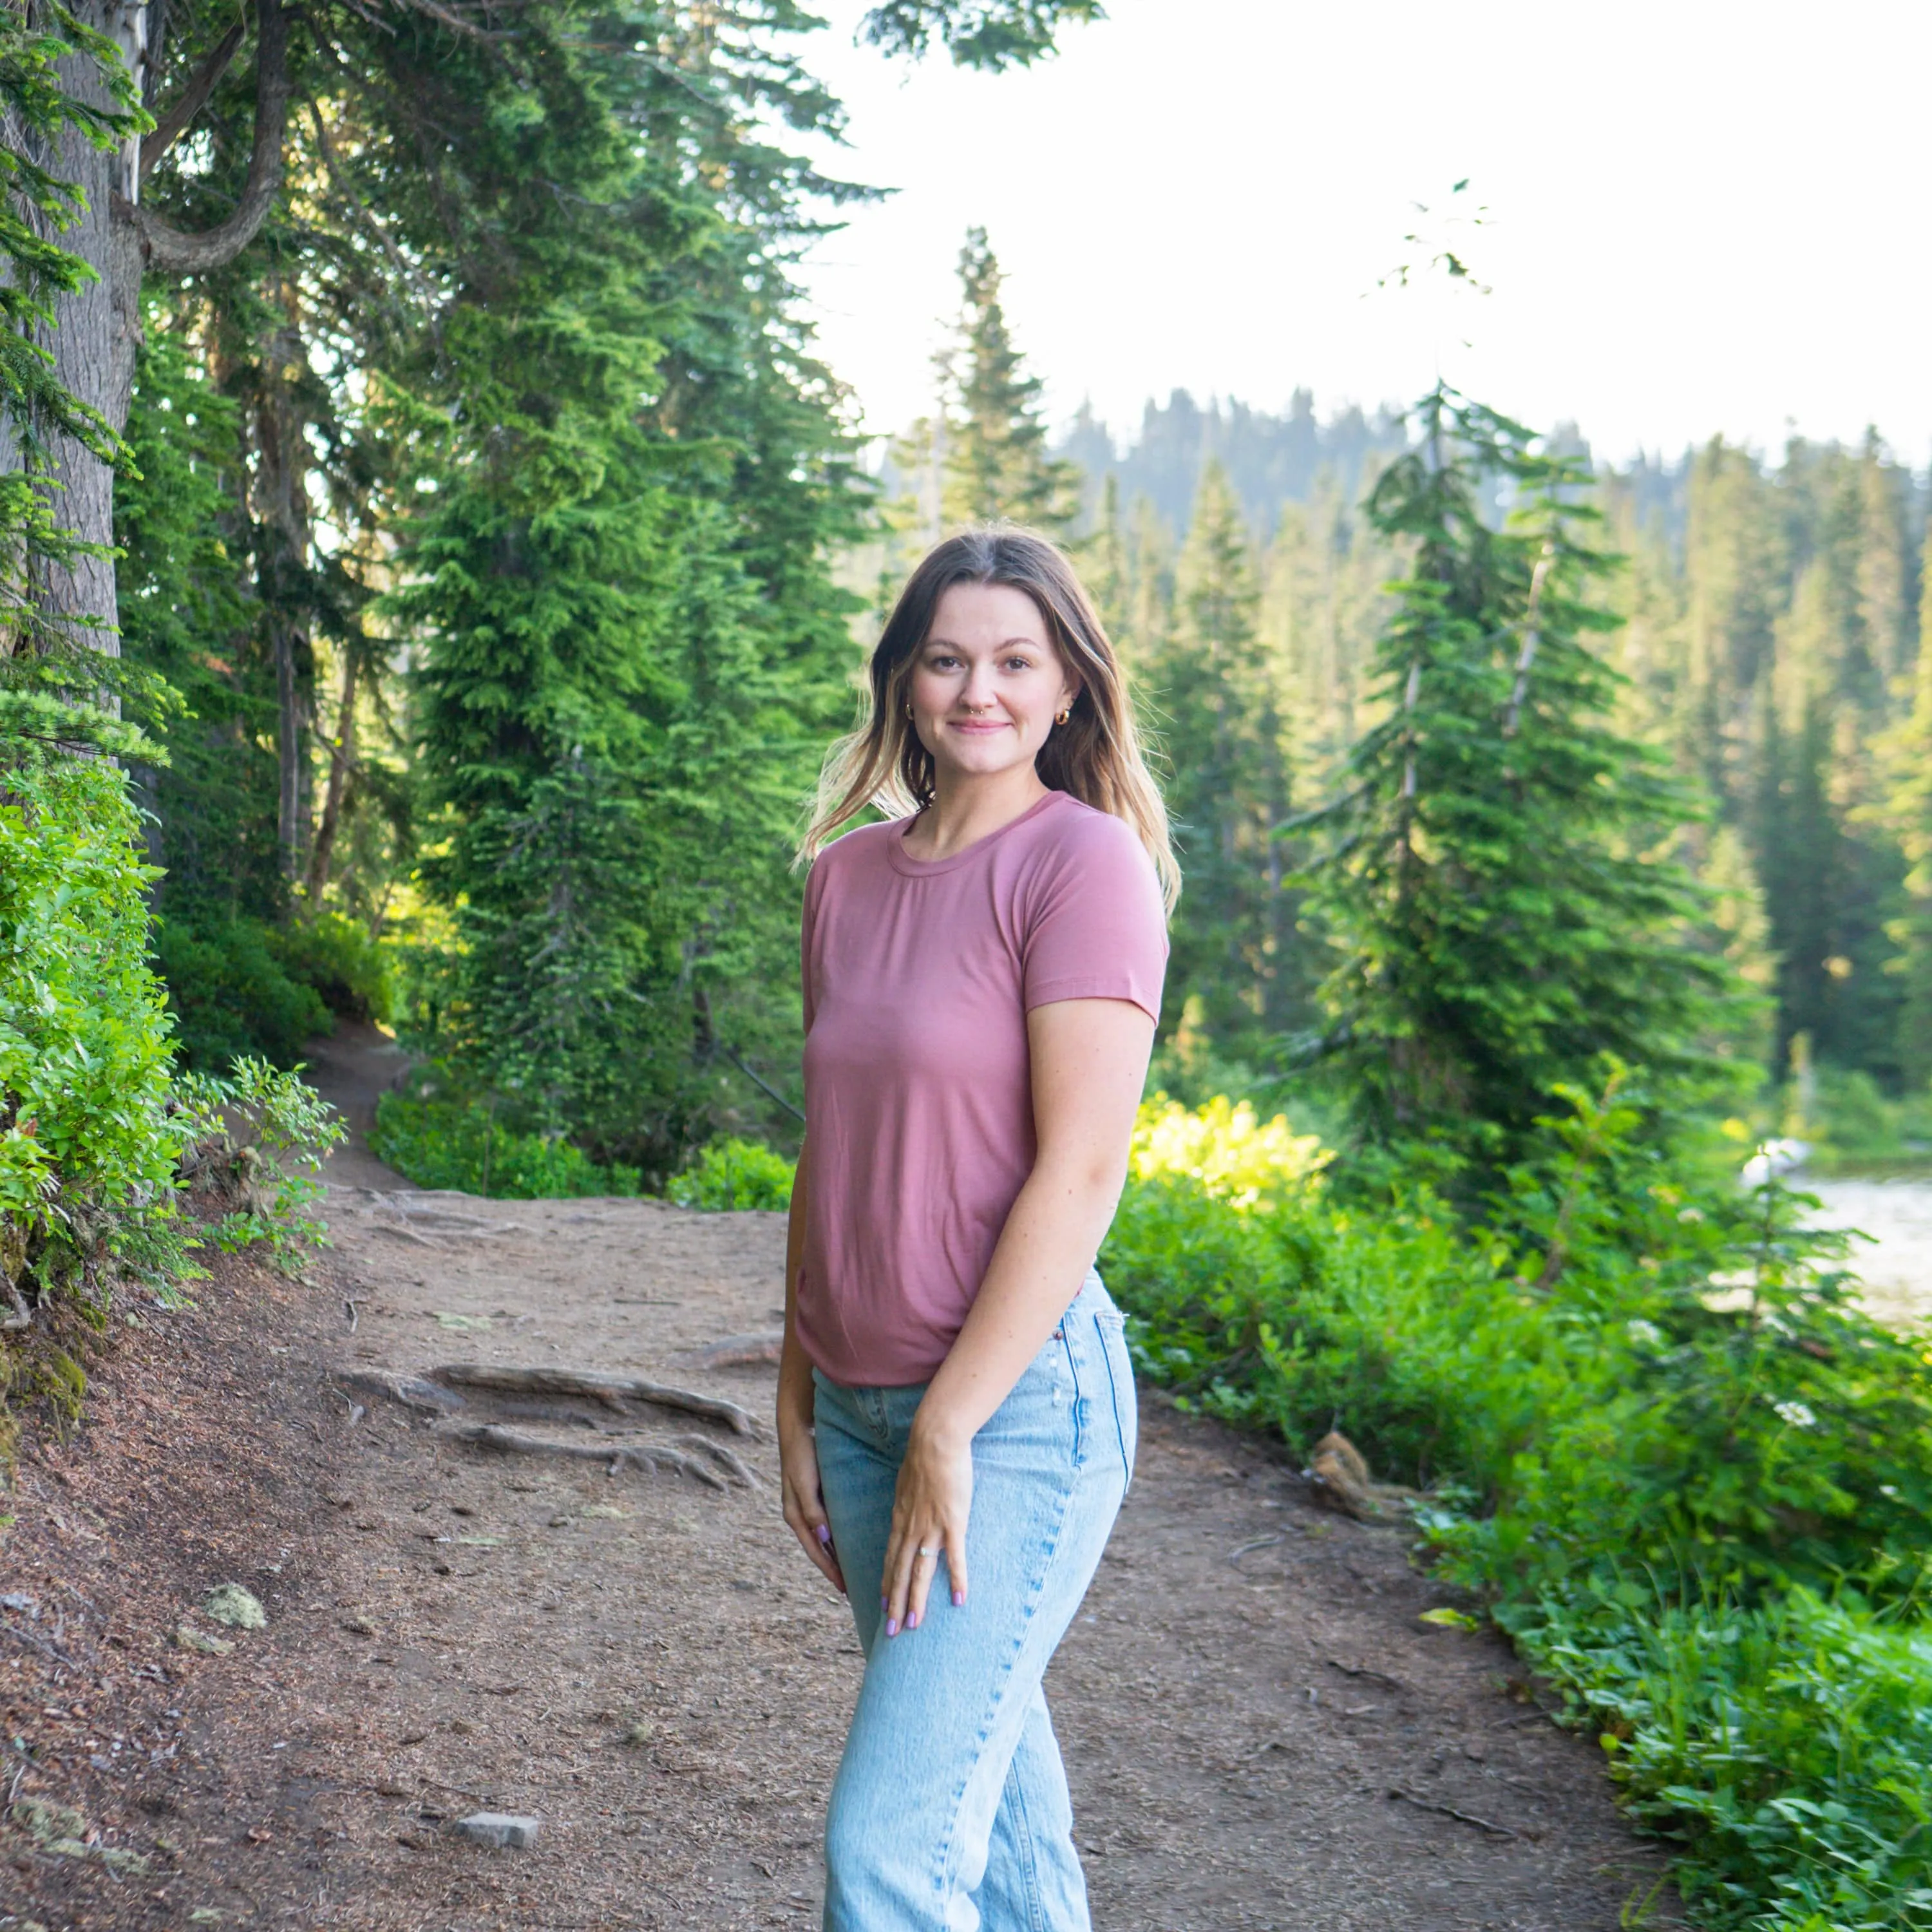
[281,579]
[341,763]
[96,331]
[97,328]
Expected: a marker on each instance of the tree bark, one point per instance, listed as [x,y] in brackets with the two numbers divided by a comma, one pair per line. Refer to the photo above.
[173,251]
[281,573]
[97,329]
[341,762]
[170,127]
[95,333]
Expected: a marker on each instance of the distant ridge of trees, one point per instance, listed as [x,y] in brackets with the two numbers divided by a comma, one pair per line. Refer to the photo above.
[1270,459]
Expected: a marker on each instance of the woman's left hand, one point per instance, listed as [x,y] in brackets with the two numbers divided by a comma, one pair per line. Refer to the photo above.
[930,1509]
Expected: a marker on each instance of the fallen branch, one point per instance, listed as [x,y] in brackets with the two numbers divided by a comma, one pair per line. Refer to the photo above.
[738,1351]
[52,1652]
[1241,1550]
[660,1458]
[1363,1670]
[1450,1811]
[611,1390]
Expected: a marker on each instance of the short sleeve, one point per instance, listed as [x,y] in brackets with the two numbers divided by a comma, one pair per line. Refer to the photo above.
[1097,929]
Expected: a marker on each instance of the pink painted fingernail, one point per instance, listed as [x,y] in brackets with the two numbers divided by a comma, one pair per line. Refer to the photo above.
[891,1626]
[824,1535]
[912,1622]
[959,1599]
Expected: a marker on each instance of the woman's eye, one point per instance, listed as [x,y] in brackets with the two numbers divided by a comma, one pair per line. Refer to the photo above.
[1019,664]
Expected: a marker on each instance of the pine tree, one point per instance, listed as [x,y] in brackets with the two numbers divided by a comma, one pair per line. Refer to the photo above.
[996,464]
[629,653]
[1497,875]
[1906,810]
[1224,742]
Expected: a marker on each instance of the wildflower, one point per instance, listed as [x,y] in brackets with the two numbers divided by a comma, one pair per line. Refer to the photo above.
[1795,1414]
[1644,1334]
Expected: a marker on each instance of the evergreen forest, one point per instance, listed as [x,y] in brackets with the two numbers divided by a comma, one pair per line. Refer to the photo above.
[436,560]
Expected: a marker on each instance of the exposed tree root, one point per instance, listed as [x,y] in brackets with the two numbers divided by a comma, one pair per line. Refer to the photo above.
[734,1465]
[611,1390]
[738,1351]
[659,1457]
[412,1391]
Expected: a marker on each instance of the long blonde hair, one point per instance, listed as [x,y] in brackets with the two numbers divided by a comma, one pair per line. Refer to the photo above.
[1095,755]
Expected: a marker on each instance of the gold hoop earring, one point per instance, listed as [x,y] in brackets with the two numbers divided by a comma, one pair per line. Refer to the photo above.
[1061,717]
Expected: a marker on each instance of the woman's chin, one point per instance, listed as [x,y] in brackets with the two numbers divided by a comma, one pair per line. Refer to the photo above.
[986,760]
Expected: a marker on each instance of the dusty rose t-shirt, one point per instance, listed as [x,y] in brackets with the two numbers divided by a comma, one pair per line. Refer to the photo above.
[918,976]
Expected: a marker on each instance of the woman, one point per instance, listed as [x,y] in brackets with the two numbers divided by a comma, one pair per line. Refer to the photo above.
[956,1418]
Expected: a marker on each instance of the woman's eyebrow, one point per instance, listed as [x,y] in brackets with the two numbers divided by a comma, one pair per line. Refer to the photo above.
[1006,644]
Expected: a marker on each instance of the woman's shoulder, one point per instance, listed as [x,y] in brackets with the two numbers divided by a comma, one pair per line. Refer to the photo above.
[862,845]
[853,862]
[1077,834]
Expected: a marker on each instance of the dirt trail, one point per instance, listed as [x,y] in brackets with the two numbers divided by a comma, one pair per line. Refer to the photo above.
[647,1664]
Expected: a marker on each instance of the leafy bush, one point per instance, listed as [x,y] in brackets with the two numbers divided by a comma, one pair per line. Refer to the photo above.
[233,997]
[95,1135]
[731,1173]
[1226,1148]
[1663,1419]
[337,957]
[256,1142]
[1790,1745]
[87,1146]
[460,1144]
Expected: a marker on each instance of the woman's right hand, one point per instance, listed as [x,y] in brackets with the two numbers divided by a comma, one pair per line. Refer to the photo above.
[804,1501]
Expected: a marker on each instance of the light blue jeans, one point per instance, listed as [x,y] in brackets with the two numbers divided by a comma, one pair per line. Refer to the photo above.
[950,1808]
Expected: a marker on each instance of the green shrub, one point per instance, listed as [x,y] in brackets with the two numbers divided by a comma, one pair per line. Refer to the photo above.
[337,956]
[460,1144]
[97,1136]
[256,1142]
[88,1147]
[731,1173]
[1693,1478]
[1789,1745]
[233,997]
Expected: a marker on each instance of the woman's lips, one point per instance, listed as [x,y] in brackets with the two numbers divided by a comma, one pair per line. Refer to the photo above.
[978,724]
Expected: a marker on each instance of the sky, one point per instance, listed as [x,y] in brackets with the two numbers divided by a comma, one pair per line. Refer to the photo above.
[1702,217]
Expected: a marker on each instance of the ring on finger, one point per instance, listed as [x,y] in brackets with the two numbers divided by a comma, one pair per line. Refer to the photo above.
[924,1550]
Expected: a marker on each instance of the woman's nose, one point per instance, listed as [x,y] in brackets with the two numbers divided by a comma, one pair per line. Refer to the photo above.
[979,692]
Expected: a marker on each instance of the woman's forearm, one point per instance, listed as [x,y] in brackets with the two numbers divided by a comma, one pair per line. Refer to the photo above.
[1050,1237]
[1090,1060]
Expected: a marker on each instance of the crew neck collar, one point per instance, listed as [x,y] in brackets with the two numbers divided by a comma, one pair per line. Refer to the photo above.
[902,861]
